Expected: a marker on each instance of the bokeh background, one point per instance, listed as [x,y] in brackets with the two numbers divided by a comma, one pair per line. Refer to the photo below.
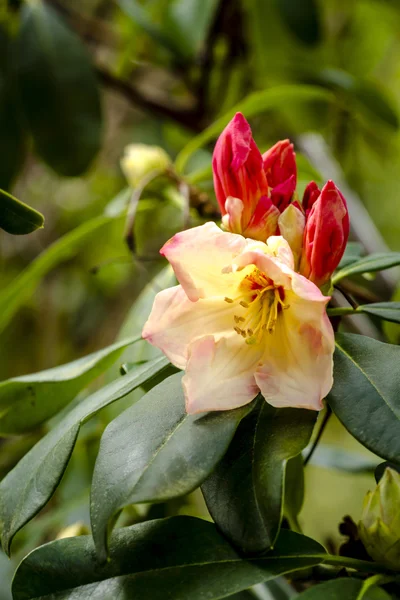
[81,80]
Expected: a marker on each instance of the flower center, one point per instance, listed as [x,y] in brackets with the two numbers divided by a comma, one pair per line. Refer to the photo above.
[259,303]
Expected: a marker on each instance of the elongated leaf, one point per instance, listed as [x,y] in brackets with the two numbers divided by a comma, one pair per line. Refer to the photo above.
[16,217]
[352,254]
[29,486]
[389,311]
[58,89]
[244,494]
[331,457]
[189,21]
[254,104]
[155,451]
[294,490]
[343,589]
[369,264]
[17,292]
[27,401]
[365,393]
[302,19]
[178,558]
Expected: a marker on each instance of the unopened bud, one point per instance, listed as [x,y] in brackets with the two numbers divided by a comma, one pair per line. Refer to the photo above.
[140,160]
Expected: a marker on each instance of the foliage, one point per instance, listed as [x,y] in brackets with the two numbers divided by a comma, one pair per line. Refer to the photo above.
[106,418]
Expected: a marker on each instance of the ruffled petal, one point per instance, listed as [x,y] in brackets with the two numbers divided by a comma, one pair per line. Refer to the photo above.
[198,256]
[220,374]
[297,365]
[175,322]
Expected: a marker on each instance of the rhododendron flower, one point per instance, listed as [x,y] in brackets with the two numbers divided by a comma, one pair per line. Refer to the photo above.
[326,232]
[252,190]
[241,321]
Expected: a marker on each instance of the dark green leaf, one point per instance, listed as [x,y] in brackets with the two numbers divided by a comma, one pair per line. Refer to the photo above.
[27,401]
[294,490]
[29,486]
[180,558]
[155,451]
[189,21]
[368,264]
[58,89]
[365,393]
[343,589]
[17,217]
[302,19]
[381,468]
[252,105]
[19,290]
[389,311]
[11,134]
[245,492]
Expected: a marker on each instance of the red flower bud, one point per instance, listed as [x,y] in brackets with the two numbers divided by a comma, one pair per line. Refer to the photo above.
[325,234]
[280,169]
[311,194]
[238,168]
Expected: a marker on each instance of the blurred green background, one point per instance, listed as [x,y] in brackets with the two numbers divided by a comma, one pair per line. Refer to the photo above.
[81,80]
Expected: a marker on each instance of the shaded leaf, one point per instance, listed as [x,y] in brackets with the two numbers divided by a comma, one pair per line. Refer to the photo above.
[29,486]
[252,105]
[244,494]
[369,264]
[16,217]
[302,19]
[189,22]
[294,490]
[331,457]
[365,393]
[155,451]
[381,468]
[58,89]
[389,311]
[27,401]
[343,589]
[21,288]
[183,557]
[351,254]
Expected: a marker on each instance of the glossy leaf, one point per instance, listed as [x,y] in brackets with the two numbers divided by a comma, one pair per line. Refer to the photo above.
[254,104]
[302,19]
[179,557]
[29,486]
[294,490]
[16,217]
[18,291]
[27,401]
[369,264]
[389,311]
[245,492]
[365,393]
[58,89]
[343,589]
[155,451]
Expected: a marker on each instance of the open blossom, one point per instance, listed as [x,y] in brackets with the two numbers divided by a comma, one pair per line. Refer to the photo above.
[326,232]
[252,189]
[241,321]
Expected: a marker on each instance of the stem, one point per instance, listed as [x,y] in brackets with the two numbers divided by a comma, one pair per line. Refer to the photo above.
[354,563]
[371,582]
[347,295]
[342,310]
[319,434]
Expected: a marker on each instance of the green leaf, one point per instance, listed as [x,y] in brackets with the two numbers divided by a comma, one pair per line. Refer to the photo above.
[352,253]
[29,486]
[389,311]
[302,19]
[27,401]
[189,22]
[16,217]
[294,490]
[59,92]
[369,264]
[180,557]
[21,289]
[365,393]
[254,104]
[171,455]
[245,492]
[343,589]
[331,457]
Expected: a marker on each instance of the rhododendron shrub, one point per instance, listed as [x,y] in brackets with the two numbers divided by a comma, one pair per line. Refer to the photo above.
[243,347]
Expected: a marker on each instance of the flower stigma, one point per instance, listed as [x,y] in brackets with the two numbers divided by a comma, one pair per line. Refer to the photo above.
[262,301]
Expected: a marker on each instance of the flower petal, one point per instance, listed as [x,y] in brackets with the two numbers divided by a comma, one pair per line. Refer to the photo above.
[298,361]
[198,256]
[175,322]
[220,374]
